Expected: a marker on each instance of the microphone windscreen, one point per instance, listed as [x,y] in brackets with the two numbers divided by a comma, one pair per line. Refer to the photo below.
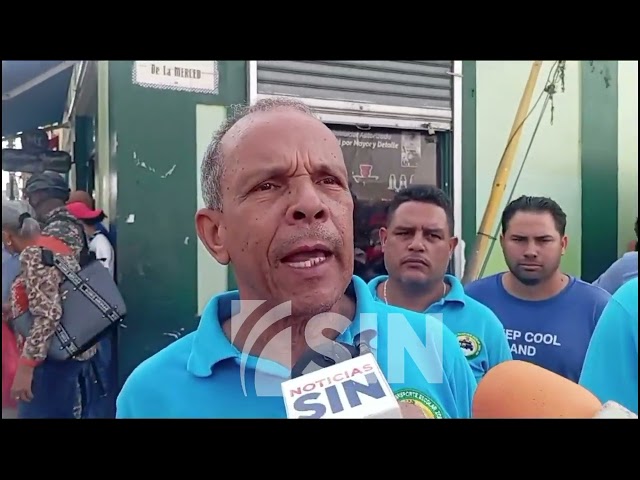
[517,389]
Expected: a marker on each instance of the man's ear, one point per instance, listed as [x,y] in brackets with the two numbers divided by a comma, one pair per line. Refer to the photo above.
[452,245]
[383,237]
[212,234]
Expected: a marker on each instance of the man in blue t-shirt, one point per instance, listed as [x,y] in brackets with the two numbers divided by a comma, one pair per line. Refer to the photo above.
[278,207]
[418,243]
[548,316]
[611,367]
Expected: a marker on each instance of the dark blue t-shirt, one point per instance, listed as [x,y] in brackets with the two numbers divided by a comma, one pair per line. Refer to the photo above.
[552,333]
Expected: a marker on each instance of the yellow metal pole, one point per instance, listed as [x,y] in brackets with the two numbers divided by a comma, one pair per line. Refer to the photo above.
[503,171]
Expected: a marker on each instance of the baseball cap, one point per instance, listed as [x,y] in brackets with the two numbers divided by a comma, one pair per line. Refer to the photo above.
[82,212]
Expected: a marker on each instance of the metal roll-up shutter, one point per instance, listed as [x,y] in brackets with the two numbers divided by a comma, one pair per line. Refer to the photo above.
[421,89]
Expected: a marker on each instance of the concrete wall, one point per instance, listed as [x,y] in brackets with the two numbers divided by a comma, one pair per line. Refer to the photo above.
[150,144]
[586,159]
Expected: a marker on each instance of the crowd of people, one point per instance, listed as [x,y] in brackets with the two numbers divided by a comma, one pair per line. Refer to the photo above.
[33,384]
[279,169]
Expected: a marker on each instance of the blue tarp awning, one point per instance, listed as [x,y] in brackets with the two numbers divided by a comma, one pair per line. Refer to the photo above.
[34,94]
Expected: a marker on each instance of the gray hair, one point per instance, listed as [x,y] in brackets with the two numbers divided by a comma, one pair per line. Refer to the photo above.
[213,163]
[19,217]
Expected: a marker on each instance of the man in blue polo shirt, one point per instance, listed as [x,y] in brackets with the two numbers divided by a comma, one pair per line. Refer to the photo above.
[278,207]
[610,368]
[418,243]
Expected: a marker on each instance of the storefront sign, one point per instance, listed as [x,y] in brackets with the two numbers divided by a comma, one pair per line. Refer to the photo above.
[383,161]
[189,76]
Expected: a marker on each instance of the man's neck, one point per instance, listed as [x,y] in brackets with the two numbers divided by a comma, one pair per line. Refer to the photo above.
[540,291]
[416,298]
[285,340]
[46,207]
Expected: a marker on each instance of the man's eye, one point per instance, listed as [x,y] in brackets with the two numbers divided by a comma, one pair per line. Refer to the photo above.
[263,187]
[330,181]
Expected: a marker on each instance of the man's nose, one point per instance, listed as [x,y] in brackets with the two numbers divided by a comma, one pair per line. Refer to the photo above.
[531,251]
[417,243]
[306,205]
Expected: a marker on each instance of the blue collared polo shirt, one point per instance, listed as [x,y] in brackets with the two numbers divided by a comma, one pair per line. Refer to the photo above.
[610,368]
[203,375]
[480,334]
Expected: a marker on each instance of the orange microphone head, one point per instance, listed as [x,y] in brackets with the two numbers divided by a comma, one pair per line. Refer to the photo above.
[516,389]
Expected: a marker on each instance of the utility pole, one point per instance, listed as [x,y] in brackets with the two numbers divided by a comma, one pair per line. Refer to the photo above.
[483,237]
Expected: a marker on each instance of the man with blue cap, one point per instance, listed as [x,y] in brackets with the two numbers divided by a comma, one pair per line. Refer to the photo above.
[278,207]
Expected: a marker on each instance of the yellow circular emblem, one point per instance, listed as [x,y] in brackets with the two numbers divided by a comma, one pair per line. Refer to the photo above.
[429,407]
[470,345]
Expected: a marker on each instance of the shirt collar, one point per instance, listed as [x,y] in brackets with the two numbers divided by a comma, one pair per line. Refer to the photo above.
[455,294]
[211,346]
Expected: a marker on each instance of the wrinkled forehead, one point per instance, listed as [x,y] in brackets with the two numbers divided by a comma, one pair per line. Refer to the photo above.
[278,137]
[419,215]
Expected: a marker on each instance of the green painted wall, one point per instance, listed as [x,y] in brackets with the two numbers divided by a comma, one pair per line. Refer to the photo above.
[599,166]
[587,160]
[469,148]
[82,148]
[155,140]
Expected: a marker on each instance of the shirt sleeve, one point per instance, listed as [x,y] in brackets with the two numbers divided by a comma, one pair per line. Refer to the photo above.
[42,283]
[463,385]
[104,252]
[610,369]
[606,282]
[499,349]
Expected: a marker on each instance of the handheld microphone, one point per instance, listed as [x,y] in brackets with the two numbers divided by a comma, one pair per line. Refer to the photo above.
[337,380]
[517,389]
[323,356]
[362,341]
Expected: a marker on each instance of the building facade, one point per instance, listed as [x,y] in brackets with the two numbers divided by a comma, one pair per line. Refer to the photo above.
[139,147]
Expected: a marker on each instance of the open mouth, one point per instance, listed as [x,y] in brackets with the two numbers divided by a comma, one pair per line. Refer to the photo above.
[307,256]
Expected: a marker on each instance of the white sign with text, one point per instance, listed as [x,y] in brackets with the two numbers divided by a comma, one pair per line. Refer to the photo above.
[199,76]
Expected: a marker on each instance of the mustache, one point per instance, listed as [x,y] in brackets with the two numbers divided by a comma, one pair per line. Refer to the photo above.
[312,234]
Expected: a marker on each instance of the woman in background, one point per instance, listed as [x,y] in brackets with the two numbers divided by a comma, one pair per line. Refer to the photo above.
[10,353]
[52,386]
